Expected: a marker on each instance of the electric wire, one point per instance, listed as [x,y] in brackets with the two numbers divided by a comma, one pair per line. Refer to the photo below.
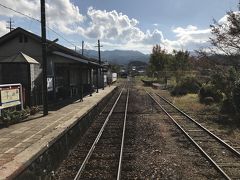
[35,19]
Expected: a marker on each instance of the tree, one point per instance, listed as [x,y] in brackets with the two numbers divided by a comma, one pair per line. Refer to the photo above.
[224,53]
[115,68]
[157,59]
[226,36]
[180,63]
[181,60]
[159,62]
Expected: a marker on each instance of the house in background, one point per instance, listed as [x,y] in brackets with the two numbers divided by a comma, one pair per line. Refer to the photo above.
[69,73]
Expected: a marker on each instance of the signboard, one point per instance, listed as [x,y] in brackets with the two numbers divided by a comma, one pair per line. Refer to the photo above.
[10,96]
[50,84]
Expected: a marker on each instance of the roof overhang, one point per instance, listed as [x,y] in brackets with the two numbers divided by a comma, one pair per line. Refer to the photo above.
[94,64]
[19,58]
[70,57]
[91,63]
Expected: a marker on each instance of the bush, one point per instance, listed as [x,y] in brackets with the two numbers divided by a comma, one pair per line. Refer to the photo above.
[12,116]
[208,100]
[187,85]
[208,90]
[236,96]
[227,107]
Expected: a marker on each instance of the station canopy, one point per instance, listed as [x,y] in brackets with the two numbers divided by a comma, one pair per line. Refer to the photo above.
[19,58]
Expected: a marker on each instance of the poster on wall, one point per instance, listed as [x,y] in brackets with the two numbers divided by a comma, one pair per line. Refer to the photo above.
[9,97]
[50,84]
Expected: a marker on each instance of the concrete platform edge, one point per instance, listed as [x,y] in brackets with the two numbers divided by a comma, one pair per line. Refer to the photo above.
[24,159]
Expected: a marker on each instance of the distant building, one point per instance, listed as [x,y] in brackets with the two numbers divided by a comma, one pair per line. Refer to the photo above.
[69,73]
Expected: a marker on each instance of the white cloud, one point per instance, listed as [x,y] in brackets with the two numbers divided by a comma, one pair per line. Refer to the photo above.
[116,27]
[188,38]
[61,14]
[28,7]
[113,28]
[3,29]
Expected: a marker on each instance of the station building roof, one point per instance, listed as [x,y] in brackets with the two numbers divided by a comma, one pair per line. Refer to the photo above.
[53,48]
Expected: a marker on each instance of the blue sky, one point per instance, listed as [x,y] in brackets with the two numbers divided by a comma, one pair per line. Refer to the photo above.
[123,24]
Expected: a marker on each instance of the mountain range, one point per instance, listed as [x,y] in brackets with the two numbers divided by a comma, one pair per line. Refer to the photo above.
[121,57]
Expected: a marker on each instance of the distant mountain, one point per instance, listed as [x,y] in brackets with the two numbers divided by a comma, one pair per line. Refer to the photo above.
[118,56]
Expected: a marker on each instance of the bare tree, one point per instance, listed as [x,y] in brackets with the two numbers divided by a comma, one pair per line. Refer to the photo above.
[226,36]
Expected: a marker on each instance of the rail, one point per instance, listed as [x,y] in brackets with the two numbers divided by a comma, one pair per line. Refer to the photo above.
[205,129]
[217,167]
[81,169]
[123,137]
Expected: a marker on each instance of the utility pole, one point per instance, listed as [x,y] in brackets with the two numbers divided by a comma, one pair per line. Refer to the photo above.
[82,47]
[10,27]
[44,59]
[99,59]
[239,5]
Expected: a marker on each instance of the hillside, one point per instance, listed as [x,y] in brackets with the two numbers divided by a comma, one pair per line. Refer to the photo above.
[118,56]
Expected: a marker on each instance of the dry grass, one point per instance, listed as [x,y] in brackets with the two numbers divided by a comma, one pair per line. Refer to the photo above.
[209,116]
[189,102]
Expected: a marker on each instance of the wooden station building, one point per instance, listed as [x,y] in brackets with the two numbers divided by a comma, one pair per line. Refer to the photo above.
[69,74]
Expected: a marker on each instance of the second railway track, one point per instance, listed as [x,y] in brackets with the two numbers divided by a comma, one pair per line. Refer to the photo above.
[105,155]
[220,154]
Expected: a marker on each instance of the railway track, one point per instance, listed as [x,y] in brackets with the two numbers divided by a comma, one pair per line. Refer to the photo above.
[224,158]
[104,159]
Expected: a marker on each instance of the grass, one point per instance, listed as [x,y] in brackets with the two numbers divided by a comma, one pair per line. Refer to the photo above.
[207,114]
[210,115]
[189,102]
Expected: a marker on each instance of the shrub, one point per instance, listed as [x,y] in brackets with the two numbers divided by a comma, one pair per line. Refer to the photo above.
[236,96]
[34,110]
[12,116]
[208,90]
[179,90]
[208,100]
[187,85]
[227,107]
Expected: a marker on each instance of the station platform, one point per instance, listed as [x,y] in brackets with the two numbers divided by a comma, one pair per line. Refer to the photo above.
[21,143]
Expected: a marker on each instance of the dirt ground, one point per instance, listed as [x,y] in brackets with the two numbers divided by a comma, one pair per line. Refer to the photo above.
[162,152]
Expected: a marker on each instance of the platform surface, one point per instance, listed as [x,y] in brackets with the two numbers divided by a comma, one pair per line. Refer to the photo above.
[21,143]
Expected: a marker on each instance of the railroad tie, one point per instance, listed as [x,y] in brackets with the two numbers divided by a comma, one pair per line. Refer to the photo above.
[229,164]
[195,130]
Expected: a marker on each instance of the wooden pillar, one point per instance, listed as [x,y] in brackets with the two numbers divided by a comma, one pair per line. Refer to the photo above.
[90,73]
[81,84]
[68,81]
[97,80]
[29,88]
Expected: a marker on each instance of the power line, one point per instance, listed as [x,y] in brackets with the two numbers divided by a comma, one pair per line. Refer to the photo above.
[35,19]
[20,13]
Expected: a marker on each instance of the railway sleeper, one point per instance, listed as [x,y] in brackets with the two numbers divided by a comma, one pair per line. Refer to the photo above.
[97,175]
[229,164]
[102,164]
[101,156]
